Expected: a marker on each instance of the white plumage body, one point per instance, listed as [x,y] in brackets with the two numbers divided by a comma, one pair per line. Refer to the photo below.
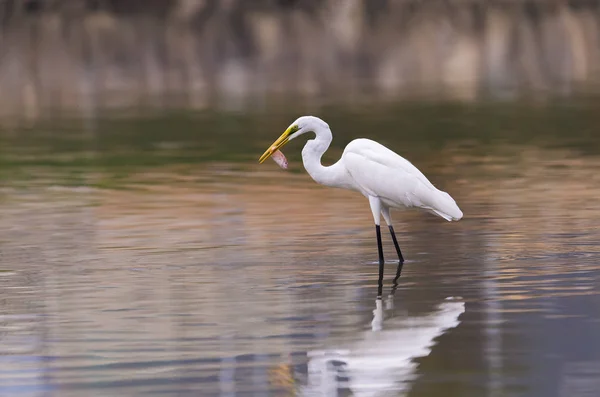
[387,179]
[376,171]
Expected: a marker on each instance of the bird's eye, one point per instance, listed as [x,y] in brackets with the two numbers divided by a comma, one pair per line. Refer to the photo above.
[294,129]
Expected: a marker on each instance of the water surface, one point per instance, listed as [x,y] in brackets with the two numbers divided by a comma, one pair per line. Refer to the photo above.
[147,253]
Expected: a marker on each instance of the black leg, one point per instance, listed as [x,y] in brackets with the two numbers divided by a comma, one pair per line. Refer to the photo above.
[398,272]
[400,260]
[400,257]
[380,249]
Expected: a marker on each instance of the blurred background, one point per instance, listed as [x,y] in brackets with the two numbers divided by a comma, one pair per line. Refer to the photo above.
[143,250]
[78,55]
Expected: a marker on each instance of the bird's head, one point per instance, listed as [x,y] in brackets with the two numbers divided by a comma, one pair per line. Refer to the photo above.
[302,125]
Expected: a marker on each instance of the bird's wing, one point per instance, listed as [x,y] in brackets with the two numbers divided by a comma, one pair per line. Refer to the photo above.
[380,172]
[378,153]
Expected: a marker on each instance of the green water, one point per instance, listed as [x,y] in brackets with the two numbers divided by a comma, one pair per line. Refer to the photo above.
[121,143]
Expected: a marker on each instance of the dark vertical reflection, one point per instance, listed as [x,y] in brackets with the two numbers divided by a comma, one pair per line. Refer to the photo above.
[492,349]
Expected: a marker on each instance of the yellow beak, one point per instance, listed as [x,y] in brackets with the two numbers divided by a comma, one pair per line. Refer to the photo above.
[278,144]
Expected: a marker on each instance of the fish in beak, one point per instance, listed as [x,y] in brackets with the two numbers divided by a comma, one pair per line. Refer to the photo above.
[274,151]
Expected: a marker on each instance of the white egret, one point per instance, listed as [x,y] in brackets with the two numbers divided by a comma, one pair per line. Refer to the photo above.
[384,177]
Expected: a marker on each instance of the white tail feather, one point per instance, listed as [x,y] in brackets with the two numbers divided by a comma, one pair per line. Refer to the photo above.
[443,205]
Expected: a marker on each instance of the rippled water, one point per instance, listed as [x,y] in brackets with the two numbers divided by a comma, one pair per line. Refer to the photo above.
[152,255]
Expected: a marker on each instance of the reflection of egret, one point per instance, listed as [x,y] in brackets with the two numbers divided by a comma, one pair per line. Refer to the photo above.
[383,360]
[385,178]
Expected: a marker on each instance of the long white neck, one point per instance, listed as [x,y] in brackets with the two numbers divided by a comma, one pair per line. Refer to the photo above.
[333,175]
